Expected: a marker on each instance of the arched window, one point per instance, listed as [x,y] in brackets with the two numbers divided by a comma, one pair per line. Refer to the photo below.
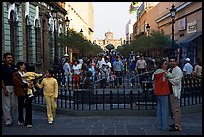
[12,33]
[28,40]
[14,36]
[38,47]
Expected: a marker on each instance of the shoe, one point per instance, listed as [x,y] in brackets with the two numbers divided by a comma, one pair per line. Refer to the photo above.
[175,129]
[172,126]
[9,125]
[29,126]
[50,122]
[30,95]
[20,123]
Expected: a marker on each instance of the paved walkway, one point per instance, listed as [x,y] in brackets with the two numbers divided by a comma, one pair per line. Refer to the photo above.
[102,125]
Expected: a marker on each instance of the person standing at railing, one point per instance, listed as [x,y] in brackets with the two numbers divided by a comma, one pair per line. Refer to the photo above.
[197,72]
[67,72]
[76,74]
[175,94]
[118,68]
[188,69]
[141,67]
[161,90]
[50,92]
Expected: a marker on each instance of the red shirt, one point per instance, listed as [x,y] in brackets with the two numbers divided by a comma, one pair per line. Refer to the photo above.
[161,87]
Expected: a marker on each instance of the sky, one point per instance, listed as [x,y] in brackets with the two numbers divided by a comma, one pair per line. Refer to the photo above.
[111,16]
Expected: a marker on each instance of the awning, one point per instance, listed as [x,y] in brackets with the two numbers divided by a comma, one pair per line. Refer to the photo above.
[189,37]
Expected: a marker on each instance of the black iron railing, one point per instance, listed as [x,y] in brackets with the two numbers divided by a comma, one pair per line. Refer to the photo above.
[131,94]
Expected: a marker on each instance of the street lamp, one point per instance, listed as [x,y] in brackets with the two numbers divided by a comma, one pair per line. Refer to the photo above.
[67,21]
[55,65]
[148,29]
[173,13]
[81,31]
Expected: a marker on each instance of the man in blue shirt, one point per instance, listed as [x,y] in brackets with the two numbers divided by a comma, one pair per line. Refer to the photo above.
[9,99]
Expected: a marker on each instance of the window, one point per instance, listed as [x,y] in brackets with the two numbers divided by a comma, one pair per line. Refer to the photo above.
[38,42]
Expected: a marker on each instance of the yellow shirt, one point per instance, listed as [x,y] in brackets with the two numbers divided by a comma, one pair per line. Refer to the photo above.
[30,76]
[50,86]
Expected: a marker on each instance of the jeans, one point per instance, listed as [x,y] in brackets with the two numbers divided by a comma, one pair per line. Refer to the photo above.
[162,112]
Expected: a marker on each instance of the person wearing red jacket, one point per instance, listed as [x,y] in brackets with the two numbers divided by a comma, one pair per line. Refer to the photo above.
[161,90]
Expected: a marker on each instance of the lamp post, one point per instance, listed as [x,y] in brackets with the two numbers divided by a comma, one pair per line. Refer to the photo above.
[148,29]
[67,21]
[55,65]
[81,31]
[173,13]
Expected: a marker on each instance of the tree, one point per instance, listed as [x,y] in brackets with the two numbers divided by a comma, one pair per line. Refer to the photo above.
[78,41]
[156,40]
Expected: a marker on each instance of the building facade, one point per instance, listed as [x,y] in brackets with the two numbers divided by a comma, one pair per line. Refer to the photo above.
[29,31]
[187,27]
[109,39]
[81,15]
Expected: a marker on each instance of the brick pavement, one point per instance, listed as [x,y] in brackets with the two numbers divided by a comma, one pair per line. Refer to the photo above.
[103,125]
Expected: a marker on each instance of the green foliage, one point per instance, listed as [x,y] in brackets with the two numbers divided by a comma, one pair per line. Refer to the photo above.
[77,41]
[143,42]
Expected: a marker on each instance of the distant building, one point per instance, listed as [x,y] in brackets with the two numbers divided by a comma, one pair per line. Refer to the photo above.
[110,40]
[81,15]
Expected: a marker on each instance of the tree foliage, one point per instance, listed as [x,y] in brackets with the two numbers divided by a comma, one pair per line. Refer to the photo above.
[78,41]
[155,40]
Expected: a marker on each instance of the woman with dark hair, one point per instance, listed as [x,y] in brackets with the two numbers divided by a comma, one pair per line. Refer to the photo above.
[20,90]
[161,90]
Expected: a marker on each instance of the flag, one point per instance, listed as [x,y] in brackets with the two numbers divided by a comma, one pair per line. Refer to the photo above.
[133,7]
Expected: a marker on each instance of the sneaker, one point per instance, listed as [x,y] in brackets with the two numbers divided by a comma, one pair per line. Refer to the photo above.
[49,122]
[9,125]
[20,123]
[29,126]
[172,126]
[31,95]
[175,129]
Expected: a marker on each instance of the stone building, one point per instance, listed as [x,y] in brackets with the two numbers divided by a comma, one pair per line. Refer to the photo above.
[28,30]
[109,40]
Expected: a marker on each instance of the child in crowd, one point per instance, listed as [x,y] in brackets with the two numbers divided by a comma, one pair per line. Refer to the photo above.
[30,76]
[50,87]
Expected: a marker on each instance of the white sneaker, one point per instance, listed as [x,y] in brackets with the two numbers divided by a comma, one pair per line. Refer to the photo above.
[29,126]
[50,122]
[19,123]
[31,95]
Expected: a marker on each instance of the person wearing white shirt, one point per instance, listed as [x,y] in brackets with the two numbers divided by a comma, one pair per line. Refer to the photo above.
[76,71]
[67,71]
[175,94]
[188,68]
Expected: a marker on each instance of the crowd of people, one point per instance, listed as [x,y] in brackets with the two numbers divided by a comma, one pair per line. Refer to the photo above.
[19,83]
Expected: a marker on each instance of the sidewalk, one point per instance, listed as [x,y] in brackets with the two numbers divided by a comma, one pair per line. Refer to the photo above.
[102,125]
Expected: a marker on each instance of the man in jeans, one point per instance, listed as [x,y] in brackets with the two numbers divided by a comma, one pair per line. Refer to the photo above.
[175,94]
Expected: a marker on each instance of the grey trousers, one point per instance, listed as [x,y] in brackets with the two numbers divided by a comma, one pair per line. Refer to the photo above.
[9,105]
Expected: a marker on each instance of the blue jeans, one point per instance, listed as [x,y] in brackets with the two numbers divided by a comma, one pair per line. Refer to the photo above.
[162,112]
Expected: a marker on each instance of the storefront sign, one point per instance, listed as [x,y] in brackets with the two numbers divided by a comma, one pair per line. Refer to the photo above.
[191,27]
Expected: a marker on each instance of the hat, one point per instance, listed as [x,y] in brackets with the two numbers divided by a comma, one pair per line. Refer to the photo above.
[66,55]
[187,59]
